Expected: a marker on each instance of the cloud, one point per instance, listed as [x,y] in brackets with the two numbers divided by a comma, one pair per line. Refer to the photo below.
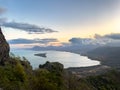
[88,41]
[86,44]
[108,36]
[97,36]
[112,39]
[30,28]
[80,41]
[76,45]
[113,36]
[32,41]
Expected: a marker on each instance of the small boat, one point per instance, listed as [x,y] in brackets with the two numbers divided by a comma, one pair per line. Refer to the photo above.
[41,54]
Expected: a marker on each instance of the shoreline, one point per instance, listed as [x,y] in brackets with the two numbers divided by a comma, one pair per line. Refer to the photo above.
[88,70]
[103,61]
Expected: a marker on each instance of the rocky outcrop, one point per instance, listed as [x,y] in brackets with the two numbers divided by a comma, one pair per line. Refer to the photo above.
[4,49]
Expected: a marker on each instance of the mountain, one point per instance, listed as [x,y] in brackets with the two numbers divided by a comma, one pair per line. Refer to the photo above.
[107,55]
[68,48]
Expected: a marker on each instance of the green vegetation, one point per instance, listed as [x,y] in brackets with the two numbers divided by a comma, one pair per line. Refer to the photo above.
[17,74]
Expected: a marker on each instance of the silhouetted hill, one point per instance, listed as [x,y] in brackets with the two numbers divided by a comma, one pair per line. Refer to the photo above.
[107,55]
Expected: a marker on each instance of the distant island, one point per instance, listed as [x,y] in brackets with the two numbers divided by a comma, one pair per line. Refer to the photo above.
[41,55]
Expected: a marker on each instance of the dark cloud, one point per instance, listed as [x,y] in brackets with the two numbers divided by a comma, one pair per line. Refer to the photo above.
[109,39]
[79,40]
[32,41]
[75,40]
[108,36]
[106,40]
[30,28]
[113,36]
[97,36]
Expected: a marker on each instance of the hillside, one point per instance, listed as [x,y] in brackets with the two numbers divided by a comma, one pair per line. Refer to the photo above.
[17,74]
[107,55]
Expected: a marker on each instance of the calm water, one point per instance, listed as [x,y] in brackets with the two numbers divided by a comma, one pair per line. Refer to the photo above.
[66,58]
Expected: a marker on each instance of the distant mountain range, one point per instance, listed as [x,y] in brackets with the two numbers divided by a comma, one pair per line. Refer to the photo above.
[74,49]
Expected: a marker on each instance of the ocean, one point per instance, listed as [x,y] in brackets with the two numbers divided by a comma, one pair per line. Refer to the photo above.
[66,58]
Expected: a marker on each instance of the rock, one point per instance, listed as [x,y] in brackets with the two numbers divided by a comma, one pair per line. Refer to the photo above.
[4,49]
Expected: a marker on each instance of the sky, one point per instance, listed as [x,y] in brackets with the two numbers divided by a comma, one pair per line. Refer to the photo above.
[58,20]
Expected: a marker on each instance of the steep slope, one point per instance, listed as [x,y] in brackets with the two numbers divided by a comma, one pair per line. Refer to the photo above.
[4,49]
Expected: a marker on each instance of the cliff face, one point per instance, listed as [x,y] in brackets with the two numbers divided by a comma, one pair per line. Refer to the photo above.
[4,49]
